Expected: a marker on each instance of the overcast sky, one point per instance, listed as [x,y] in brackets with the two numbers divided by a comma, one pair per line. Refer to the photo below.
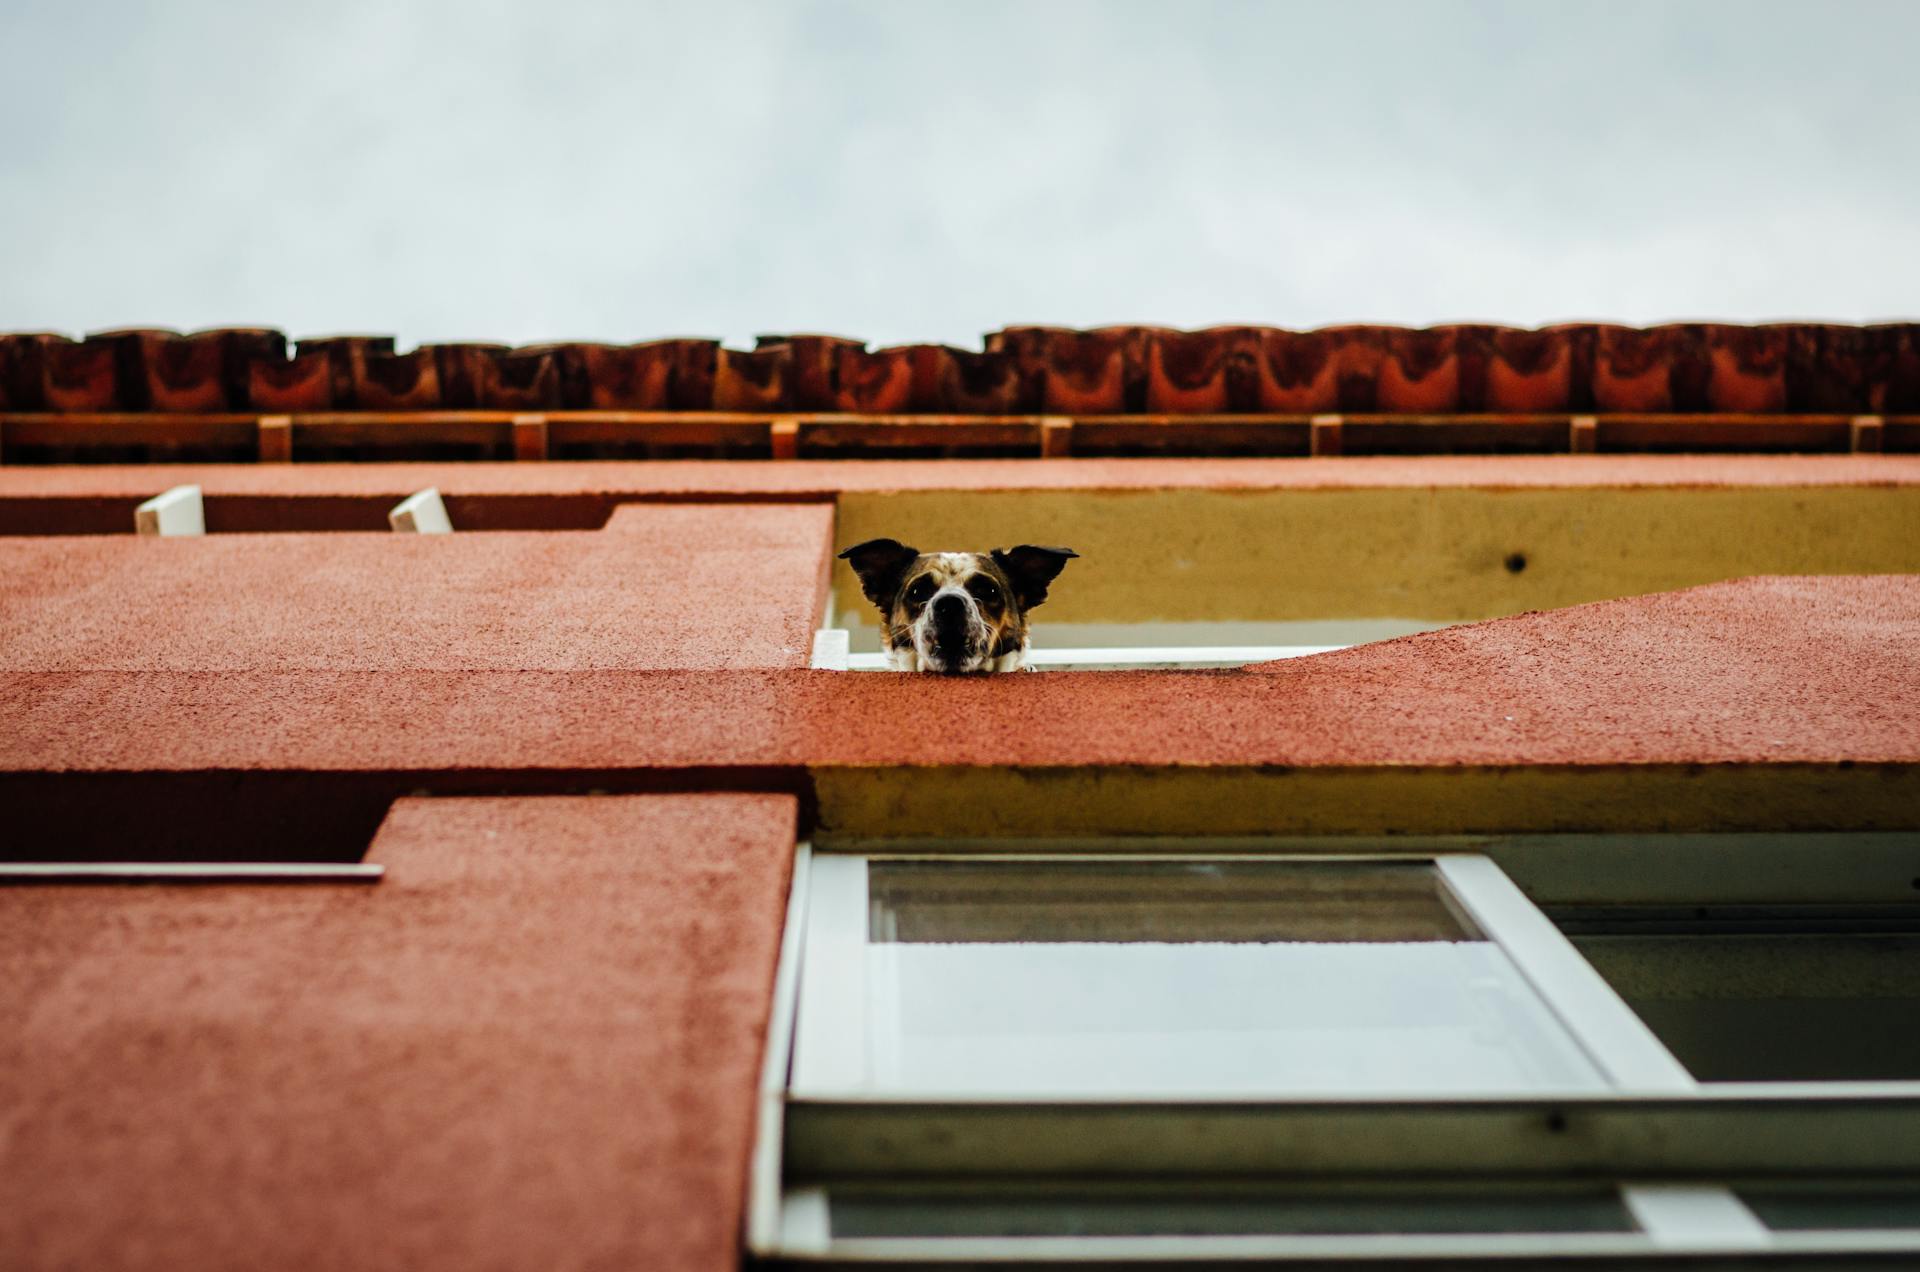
[902,171]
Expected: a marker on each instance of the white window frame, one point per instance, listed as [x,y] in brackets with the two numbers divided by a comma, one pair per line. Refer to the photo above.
[1675,1148]
[830,1044]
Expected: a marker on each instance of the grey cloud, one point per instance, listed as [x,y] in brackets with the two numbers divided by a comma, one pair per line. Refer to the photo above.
[900,172]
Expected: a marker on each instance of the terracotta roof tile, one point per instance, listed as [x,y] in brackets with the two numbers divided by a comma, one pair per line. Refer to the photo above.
[1151,391]
[1675,367]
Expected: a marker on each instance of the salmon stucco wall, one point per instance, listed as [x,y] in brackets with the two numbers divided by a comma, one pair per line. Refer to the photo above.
[533,1045]
[682,587]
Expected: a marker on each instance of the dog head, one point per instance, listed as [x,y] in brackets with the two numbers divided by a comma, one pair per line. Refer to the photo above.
[955,612]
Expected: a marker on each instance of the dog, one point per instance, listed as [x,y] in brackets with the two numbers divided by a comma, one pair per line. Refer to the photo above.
[955,613]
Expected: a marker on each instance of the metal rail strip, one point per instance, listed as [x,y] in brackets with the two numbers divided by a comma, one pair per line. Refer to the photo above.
[1716,1132]
[32,872]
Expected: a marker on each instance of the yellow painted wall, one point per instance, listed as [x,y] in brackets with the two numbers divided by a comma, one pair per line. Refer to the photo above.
[1288,555]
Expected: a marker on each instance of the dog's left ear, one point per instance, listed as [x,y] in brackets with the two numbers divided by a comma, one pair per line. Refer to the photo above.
[1030,569]
[880,563]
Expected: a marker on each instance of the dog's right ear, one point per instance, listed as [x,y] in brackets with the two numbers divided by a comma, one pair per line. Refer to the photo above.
[880,563]
[1030,569]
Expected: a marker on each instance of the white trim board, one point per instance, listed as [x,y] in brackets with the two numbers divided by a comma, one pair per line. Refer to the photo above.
[830,1029]
[763,1212]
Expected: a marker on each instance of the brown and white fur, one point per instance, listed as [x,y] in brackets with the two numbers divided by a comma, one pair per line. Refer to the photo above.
[955,613]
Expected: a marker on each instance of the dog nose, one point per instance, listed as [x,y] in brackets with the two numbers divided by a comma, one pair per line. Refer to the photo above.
[948,609]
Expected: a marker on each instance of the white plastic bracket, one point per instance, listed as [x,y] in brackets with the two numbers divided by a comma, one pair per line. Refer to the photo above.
[421,513]
[172,513]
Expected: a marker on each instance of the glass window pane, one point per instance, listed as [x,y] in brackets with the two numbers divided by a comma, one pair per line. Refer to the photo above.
[1773,1007]
[1791,1207]
[1172,901]
[1195,978]
[1120,1213]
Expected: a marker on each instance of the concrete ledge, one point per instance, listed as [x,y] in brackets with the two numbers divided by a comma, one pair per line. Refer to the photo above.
[1783,703]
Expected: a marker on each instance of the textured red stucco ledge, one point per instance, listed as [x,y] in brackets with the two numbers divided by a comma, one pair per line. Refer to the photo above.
[804,479]
[1750,671]
[1746,671]
[1761,675]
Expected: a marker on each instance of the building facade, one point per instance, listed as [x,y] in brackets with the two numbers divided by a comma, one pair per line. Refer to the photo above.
[1469,809]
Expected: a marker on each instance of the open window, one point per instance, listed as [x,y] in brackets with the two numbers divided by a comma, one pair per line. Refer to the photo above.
[1190,567]
[853,644]
[1063,1053]
[1115,634]
[1221,978]
[1769,993]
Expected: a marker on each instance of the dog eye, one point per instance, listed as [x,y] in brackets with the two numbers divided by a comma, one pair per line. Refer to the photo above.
[922,588]
[984,590]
